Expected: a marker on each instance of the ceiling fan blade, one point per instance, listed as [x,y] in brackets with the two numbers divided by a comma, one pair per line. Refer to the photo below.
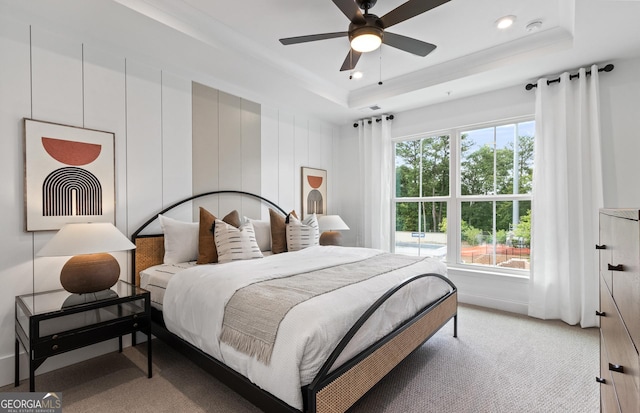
[312,37]
[350,9]
[351,61]
[408,44]
[408,10]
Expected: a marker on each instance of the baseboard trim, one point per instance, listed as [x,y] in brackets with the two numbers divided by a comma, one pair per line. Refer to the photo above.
[496,304]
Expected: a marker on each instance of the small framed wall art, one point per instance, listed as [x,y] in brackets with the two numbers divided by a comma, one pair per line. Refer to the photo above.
[69,175]
[314,191]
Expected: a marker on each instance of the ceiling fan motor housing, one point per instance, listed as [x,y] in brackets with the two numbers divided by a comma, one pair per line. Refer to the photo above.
[371,25]
[366,4]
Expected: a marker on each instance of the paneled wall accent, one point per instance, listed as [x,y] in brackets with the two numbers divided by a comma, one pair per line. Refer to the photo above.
[242,145]
[176,138]
[48,76]
[226,148]
[206,150]
[144,141]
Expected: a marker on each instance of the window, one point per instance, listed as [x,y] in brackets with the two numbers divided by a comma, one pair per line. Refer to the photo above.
[422,192]
[470,205]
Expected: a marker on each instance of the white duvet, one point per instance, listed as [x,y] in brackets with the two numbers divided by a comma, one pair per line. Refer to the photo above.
[195,299]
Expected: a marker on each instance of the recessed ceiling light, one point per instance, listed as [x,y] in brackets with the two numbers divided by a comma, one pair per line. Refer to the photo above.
[504,22]
[357,74]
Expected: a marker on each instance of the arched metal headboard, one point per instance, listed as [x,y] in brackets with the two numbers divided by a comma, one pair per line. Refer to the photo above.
[136,233]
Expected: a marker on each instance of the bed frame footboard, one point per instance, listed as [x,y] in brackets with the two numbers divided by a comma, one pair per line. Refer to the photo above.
[335,392]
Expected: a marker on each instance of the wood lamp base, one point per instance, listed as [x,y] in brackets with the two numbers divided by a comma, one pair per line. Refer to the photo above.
[89,273]
[331,238]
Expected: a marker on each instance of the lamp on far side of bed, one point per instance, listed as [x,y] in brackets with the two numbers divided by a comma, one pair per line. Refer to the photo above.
[330,225]
[91,268]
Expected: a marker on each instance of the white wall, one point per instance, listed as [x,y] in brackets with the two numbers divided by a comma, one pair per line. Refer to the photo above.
[620,114]
[53,75]
[290,142]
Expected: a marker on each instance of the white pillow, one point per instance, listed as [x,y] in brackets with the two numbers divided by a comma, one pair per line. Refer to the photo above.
[263,233]
[303,234]
[235,243]
[180,240]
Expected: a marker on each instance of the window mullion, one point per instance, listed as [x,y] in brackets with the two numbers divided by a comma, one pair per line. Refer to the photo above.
[495,192]
[453,206]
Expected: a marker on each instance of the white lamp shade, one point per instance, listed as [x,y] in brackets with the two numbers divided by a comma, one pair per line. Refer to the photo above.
[86,238]
[331,223]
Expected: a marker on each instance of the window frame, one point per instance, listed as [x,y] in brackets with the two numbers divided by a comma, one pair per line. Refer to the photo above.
[455,198]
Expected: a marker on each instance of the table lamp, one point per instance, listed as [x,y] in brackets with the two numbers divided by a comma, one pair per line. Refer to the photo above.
[330,225]
[91,268]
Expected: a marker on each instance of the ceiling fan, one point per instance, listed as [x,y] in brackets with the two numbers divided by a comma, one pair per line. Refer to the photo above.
[367,31]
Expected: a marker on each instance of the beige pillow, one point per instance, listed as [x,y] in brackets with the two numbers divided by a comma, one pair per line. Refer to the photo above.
[235,244]
[262,229]
[278,231]
[180,240]
[301,235]
[207,251]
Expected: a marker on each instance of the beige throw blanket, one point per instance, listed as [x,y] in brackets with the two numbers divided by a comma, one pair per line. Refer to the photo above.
[253,313]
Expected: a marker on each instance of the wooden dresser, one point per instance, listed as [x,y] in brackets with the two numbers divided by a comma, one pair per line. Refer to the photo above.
[619,310]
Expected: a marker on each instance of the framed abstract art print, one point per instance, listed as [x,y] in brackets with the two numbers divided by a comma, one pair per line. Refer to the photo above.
[314,191]
[69,175]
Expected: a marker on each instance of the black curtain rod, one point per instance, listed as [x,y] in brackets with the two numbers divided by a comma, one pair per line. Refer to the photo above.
[369,121]
[607,68]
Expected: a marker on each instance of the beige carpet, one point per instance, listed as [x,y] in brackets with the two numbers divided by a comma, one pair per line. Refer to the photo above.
[499,363]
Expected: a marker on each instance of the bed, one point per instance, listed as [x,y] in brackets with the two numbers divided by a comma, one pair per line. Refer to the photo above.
[355,314]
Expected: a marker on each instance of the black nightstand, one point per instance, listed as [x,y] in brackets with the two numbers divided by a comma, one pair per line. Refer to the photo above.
[54,322]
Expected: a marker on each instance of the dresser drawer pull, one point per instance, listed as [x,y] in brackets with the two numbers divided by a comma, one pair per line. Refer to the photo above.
[55,337]
[614,267]
[54,347]
[601,247]
[135,316]
[616,367]
[601,313]
[135,325]
[601,380]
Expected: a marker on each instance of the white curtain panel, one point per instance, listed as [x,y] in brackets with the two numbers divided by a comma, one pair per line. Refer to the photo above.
[567,187]
[376,165]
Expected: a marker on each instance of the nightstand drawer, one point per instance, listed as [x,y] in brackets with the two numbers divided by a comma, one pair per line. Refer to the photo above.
[77,321]
[74,339]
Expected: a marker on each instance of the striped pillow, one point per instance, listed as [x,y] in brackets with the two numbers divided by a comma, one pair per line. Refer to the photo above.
[303,234]
[235,244]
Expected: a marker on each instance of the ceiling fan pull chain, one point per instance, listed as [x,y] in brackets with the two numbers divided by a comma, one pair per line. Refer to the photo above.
[380,81]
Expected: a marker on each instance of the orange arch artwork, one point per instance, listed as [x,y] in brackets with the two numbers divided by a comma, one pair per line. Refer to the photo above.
[69,175]
[314,191]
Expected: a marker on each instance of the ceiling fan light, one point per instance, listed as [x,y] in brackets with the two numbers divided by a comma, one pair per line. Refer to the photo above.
[366,40]
[366,43]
